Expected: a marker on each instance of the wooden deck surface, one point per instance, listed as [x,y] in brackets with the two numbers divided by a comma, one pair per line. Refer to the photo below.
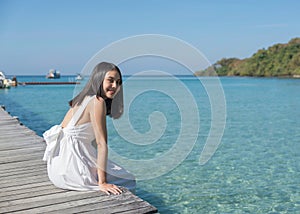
[25,187]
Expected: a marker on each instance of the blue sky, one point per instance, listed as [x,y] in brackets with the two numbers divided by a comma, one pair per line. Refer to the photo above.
[38,35]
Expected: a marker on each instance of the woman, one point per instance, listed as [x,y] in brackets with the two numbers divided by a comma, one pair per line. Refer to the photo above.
[72,160]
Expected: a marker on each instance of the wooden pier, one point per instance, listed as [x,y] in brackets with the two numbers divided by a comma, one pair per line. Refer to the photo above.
[25,187]
[49,83]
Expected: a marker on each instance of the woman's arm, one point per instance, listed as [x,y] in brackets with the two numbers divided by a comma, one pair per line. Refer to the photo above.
[98,119]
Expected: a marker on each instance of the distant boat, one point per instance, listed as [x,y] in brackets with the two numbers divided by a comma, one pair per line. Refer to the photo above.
[53,74]
[7,83]
[79,77]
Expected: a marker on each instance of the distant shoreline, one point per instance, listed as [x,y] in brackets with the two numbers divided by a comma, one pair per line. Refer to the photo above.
[180,76]
[278,77]
[279,60]
[125,75]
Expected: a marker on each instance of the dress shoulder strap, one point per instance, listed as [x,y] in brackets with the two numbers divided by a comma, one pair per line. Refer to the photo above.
[80,110]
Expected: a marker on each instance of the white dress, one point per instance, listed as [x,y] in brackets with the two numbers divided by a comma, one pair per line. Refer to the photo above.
[71,157]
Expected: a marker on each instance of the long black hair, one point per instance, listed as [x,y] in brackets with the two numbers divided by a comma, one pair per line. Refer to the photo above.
[114,108]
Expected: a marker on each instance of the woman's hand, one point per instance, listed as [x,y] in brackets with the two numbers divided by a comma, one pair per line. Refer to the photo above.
[110,188]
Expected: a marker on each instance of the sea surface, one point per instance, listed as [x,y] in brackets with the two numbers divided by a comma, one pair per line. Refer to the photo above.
[256,168]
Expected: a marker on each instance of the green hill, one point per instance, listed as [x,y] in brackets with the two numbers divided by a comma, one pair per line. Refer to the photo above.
[279,60]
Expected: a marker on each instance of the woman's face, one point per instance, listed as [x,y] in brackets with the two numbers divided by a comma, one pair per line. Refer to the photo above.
[111,84]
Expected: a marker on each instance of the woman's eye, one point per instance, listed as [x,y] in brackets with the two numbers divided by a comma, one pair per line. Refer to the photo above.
[118,82]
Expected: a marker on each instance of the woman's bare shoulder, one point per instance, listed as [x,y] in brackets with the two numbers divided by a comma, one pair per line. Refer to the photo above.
[97,104]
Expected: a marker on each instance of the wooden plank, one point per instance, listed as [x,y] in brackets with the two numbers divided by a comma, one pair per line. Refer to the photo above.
[16,165]
[22,171]
[25,187]
[22,181]
[19,158]
[27,136]
[41,201]
[139,207]
[28,189]
[20,151]
[36,193]
[7,146]
[22,167]
[85,203]
[32,202]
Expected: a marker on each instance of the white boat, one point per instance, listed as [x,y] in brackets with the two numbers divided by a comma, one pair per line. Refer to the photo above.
[53,74]
[79,77]
[4,83]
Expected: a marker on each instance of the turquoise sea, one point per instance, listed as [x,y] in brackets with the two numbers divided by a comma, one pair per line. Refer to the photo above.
[256,168]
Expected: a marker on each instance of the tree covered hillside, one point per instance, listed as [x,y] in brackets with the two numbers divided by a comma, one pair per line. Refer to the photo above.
[279,60]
